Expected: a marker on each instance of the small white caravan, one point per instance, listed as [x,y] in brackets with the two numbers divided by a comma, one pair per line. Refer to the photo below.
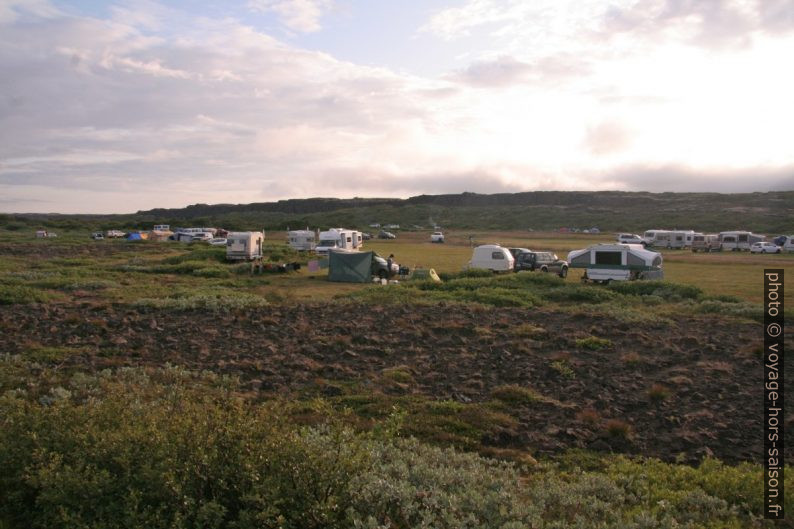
[302,240]
[617,262]
[492,257]
[244,245]
[339,239]
[738,240]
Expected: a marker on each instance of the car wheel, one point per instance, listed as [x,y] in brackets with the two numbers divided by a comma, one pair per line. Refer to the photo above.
[544,269]
[564,272]
[778,250]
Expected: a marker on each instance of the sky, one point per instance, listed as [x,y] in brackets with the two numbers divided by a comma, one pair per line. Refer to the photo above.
[114,107]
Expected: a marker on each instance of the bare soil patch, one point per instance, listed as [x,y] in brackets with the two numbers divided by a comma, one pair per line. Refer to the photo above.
[674,391]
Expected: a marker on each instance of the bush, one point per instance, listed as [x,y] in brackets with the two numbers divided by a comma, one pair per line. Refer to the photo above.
[205,301]
[663,289]
[593,343]
[515,395]
[582,293]
[17,294]
[742,309]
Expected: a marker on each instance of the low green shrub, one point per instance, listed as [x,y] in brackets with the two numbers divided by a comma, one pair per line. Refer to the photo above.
[220,302]
[743,309]
[593,343]
[663,289]
[18,294]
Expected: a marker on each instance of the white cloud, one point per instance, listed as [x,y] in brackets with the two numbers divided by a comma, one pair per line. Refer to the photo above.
[298,15]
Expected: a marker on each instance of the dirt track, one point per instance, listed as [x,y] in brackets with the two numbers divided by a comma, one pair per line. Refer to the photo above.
[708,371]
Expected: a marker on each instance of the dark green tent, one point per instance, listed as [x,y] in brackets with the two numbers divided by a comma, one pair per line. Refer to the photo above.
[355,267]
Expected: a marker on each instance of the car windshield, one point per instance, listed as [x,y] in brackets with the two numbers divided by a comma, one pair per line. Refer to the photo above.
[328,242]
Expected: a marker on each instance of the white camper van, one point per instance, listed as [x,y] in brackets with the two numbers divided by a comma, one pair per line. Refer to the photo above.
[492,257]
[244,245]
[617,262]
[737,241]
[339,239]
[302,240]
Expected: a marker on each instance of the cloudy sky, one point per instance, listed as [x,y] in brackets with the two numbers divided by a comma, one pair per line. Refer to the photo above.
[121,106]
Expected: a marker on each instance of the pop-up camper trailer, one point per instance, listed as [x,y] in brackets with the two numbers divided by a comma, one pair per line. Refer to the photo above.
[738,240]
[301,240]
[244,245]
[617,262]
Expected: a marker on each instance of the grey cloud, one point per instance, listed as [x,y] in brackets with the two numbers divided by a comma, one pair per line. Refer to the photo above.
[717,23]
[506,70]
[685,179]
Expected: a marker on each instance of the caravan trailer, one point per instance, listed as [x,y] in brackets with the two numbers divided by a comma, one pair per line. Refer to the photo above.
[679,239]
[617,262]
[339,239]
[244,245]
[655,237]
[737,241]
[301,240]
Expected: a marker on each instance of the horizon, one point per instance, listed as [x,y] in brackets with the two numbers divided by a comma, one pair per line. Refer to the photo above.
[139,105]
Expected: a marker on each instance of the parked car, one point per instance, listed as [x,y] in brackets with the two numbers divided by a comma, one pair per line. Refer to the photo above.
[543,261]
[218,241]
[436,236]
[204,236]
[765,247]
[97,236]
[386,235]
[380,267]
[629,238]
[366,236]
[516,251]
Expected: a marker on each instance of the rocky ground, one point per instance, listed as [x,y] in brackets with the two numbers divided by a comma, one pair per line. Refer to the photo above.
[680,390]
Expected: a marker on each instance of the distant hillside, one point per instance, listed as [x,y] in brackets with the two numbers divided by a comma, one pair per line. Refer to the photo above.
[771,212]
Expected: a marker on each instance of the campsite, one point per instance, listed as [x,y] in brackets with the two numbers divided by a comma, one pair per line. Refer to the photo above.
[540,372]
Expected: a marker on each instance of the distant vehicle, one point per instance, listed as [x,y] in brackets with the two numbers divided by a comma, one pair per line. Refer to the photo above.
[244,245]
[386,235]
[492,257]
[629,238]
[765,247]
[436,236]
[380,267]
[41,233]
[705,242]
[97,236]
[375,225]
[114,234]
[366,236]
[738,240]
[786,242]
[515,252]
[339,239]
[392,226]
[542,261]
[162,227]
[302,240]
[218,241]
[652,237]
[617,262]
[202,237]
[595,230]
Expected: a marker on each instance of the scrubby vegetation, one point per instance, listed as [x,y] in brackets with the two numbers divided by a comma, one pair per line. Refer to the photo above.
[171,448]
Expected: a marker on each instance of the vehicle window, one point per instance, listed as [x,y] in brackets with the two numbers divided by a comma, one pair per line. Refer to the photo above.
[608,258]
[497,255]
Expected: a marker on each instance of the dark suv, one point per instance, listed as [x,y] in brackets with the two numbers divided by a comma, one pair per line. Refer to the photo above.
[543,261]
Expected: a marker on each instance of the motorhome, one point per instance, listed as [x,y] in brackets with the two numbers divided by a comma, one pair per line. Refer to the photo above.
[737,241]
[617,262]
[703,242]
[339,239]
[492,257]
[302,240]
[786,243]
[244,245]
